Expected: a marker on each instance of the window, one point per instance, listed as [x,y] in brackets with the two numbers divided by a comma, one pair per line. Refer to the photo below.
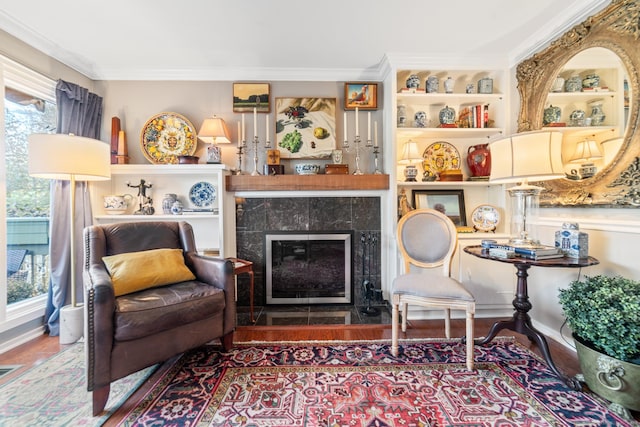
[28,107]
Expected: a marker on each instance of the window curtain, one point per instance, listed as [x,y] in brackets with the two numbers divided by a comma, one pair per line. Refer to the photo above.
[79,113]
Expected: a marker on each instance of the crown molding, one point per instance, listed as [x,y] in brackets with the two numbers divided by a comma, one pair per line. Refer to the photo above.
[577,12]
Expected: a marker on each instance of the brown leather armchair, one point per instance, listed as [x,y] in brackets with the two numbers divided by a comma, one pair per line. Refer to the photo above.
[126,333]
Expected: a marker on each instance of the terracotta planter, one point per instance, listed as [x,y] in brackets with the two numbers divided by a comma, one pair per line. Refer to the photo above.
[609,378]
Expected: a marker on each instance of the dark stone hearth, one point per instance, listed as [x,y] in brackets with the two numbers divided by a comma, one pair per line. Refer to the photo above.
[360,214]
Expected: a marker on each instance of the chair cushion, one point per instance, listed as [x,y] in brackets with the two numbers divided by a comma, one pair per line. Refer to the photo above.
[150,311]
[430,286]
[135,271]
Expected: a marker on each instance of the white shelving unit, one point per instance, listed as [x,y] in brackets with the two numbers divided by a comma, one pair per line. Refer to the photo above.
[493,289]
[213,231]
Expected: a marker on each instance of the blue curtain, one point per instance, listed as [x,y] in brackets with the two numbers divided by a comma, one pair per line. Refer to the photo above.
[80,113]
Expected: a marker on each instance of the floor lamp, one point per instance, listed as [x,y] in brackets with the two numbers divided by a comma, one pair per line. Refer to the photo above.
[69,158]
[520,158]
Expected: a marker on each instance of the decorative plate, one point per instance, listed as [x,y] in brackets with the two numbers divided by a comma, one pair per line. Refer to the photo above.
[202,194]
[485,218]
[440,156]
[166,136]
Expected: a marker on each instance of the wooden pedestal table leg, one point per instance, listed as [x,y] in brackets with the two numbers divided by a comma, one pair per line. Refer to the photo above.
[242,266]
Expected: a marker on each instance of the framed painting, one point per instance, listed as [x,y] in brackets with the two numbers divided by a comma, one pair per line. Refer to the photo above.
[449,202]
[361,95]
[305,127]
[247,96]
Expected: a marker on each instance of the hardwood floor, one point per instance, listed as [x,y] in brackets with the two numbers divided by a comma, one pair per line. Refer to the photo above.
[40,349]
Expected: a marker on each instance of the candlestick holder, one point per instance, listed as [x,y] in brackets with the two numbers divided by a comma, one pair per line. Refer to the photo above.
[356,143]
[241,148]
[256,141]
[376,151]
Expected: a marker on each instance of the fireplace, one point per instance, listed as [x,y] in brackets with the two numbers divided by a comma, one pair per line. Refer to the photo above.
[308,268]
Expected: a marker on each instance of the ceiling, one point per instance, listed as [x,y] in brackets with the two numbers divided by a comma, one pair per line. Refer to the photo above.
[277,39]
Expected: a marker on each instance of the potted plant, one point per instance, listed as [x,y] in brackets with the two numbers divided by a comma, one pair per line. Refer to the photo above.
[604,315]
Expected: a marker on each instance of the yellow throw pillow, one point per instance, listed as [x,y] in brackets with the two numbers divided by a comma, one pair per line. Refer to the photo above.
[135,271]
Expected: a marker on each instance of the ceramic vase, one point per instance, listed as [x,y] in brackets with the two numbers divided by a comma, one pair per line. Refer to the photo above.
[432,84]
[597,113]
[558,85]
[177,208]
[420,119]
[551,115]
[448,85]
[573,84]
[402,115]
[447,116]
[168,201]
[413,82]
[485,85]
[479,160]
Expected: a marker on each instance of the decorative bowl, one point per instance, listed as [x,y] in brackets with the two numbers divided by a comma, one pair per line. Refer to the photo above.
[307,169]
[188,160]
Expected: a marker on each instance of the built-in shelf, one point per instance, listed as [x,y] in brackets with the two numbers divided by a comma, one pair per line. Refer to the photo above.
[306,182]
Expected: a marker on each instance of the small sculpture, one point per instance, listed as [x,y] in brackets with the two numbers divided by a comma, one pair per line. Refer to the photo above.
[145,204]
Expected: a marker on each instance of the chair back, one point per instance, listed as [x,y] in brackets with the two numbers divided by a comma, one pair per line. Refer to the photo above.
[427,239]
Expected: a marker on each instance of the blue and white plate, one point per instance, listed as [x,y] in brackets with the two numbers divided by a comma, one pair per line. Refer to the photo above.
[202,194]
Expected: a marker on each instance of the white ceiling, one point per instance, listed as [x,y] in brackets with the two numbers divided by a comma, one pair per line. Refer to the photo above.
[277,39]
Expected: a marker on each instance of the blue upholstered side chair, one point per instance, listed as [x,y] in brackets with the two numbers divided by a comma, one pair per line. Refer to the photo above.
[427,240]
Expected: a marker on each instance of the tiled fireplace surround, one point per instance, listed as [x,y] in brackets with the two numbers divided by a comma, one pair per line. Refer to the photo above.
[306,214]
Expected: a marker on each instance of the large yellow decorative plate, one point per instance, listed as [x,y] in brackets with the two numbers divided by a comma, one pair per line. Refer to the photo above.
[166,136]
[440,156]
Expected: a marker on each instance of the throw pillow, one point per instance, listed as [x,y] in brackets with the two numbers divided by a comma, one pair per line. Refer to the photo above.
[135,271]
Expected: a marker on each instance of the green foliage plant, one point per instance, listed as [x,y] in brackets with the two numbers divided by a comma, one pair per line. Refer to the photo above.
[604,312]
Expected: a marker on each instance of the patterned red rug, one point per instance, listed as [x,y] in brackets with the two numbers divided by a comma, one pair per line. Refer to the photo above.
[362,384]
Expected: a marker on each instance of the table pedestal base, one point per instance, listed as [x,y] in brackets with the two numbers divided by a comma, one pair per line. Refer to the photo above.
[521,323]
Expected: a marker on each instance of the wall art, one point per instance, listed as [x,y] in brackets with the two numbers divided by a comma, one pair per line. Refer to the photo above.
[361,95]
[305,127]
[247,96]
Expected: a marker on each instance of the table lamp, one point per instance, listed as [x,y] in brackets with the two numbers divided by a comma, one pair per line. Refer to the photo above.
[519,158]
[214,131]
[409,157]
[585,153]
[69,158]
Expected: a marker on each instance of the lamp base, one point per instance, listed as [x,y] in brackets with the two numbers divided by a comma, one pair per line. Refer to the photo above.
[214,154]
[71,323]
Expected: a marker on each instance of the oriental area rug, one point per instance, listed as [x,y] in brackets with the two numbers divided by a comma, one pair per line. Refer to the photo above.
[358,384]
[54,393]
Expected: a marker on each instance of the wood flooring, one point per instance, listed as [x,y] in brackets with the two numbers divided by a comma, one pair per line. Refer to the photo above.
[40,349]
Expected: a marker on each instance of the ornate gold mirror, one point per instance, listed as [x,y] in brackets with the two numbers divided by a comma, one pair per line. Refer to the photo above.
[589,72]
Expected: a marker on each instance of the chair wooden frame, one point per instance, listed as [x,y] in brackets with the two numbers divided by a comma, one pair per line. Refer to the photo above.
[445,302]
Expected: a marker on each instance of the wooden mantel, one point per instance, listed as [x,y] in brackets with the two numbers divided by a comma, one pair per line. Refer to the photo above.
[306,182]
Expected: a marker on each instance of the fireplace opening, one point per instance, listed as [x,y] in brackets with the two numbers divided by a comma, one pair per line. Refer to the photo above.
[308,268]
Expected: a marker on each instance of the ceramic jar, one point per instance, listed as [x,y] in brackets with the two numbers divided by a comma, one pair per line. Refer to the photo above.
[470,88]
[420,119]
[558,85]
[573,84]
[167,201]
[432,84]
[551,115]
[597,113]
[591,81]
[576,118]
[177,208]
[485,85]
[410,173]
[479,160]
[448,85]
[402,115]
[447,116]
[413,82]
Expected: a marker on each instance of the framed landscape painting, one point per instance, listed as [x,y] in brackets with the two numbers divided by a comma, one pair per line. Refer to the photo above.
[361,95]
[247,96]
[449,202]
[305,127]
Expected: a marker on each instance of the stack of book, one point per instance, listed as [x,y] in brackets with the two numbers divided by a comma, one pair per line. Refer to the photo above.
[534,252]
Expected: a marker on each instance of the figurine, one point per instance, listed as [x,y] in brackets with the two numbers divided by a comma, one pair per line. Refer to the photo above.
[145,204]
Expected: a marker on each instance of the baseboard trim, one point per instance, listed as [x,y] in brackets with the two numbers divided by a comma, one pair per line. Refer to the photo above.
[21,339]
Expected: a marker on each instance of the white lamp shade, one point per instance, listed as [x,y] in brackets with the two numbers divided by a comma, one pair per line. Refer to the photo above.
[534,156]
[586,151]
[214,131]
[61,156]
[410,153]
[611,148]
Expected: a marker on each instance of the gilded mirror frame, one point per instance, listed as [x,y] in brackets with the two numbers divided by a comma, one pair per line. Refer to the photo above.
[617,28]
